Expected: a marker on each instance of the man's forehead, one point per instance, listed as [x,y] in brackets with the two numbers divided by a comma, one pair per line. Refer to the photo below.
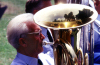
[33,26]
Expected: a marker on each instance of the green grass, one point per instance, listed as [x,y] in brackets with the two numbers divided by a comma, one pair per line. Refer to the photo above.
[15,7]
[7,52]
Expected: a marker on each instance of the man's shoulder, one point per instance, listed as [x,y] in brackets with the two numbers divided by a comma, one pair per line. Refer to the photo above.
[17,61]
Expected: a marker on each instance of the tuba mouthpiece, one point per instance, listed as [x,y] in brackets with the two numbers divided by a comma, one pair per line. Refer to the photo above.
[47,43]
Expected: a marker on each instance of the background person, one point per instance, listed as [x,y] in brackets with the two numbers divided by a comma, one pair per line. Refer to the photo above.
[97,34]
[32,6]
[2,10]
[26,37]
[97,5]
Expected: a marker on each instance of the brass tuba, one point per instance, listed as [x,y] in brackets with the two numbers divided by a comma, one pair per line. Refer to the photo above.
[65,22]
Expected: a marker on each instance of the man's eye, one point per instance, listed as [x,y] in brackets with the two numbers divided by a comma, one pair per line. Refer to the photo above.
[37,34]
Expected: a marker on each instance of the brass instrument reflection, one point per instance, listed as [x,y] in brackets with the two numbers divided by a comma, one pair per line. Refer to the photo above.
[62,24]
[65,22]
[71,20]
[64,53]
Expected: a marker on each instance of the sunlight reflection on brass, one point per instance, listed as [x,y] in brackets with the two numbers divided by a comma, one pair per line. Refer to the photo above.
[59,3]
[56,16]
[62,24]
[66,24]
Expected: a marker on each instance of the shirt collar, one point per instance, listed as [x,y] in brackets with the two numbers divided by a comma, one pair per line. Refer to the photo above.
[28,60]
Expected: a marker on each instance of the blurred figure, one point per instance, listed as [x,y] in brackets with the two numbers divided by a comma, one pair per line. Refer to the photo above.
[26,37]
[2,10]
[97,5]
[33,6]
[97,34]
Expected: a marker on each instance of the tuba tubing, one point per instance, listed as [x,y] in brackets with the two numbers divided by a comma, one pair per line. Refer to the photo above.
[68,32]
[64,51]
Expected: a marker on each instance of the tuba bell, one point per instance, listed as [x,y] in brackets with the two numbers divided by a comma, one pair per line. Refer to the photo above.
[65,23]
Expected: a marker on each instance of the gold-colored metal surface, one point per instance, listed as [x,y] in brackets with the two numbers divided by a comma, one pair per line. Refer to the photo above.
[64,53]
[62,24]
[65,16]
[65,22]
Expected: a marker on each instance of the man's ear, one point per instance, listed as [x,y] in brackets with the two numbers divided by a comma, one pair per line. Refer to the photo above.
[22,42]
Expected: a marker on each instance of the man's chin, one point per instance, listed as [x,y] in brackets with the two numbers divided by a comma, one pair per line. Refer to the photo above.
[41,50]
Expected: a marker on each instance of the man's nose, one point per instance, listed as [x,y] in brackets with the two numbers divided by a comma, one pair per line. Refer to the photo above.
[42,36]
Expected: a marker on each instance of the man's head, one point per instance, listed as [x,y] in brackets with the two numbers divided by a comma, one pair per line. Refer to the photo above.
[32,6]
[24,34]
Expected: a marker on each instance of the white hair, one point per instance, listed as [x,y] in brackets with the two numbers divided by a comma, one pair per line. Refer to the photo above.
[16,27]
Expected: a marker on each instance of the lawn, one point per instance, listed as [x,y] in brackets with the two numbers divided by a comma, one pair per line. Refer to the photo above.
[15,7]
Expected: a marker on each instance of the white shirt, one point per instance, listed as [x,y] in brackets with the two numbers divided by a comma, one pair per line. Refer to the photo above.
[47,56]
